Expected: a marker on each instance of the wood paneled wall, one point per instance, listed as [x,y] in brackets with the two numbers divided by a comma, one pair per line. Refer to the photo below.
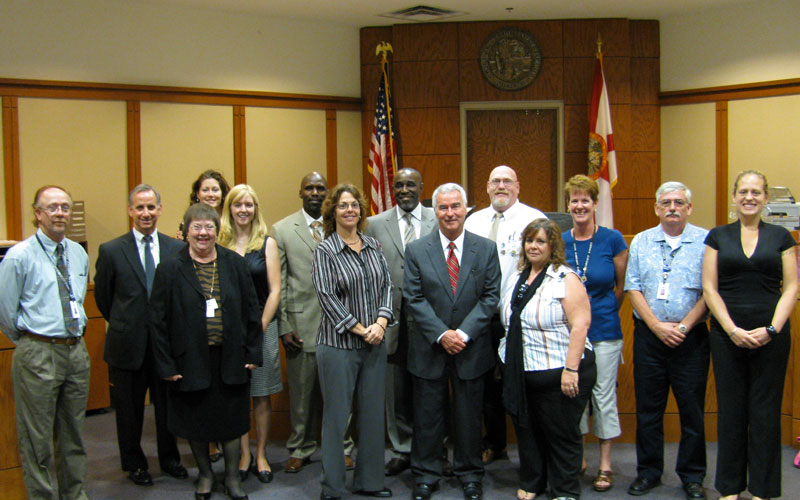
[436,66]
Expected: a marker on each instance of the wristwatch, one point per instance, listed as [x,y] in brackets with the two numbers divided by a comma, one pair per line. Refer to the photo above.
[682,328]
[772,331]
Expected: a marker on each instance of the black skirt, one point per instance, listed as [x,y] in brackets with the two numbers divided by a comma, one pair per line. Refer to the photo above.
[218,413]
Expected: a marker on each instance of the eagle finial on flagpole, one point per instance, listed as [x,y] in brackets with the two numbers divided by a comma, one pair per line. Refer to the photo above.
[382,49]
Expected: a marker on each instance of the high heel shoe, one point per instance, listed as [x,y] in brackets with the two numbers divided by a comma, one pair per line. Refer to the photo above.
[234,497]
[243,472]
[207,495]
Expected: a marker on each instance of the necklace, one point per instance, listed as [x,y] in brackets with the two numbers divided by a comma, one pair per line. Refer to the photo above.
[358,240]
[582,272]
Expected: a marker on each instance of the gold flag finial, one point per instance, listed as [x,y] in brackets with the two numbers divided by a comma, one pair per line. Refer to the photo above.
[599,43]
[382,49]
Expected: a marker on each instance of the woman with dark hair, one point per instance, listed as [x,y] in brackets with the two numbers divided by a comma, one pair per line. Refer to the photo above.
[206,335]
[548,363]
[750,287]
[245,232]
[210,188]
[600,256]
[354,290]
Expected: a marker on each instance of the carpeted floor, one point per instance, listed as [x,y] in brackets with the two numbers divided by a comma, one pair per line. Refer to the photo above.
[106,481]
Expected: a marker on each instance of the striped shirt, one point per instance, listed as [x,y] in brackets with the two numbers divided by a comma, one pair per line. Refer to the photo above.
[545,328]
[352,288]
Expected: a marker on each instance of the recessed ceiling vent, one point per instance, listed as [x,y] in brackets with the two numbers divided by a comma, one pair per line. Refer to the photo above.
[422,14]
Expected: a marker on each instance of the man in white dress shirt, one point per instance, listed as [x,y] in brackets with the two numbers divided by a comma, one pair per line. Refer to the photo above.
[503,223]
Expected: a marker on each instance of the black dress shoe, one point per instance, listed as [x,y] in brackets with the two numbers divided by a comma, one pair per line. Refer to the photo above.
[642,485]
[243,472]
[175,470]
[423,491]
[396,465]
[141,477]
[694,490]
[323,496]
[384,493]
[473,490]
[265,476]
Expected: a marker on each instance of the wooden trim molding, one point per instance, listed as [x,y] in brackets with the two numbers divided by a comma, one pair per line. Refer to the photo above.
[331,147]
[730,92]
[13,191]
[110,91]
[722,163]
[239,146]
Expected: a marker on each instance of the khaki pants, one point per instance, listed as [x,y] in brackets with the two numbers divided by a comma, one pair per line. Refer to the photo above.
[51,387]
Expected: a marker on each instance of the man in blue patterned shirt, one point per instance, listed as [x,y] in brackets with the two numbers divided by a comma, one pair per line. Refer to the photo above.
[670,346]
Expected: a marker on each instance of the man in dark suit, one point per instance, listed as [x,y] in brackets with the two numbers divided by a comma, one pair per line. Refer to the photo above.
[125,270]
[452,288]
[396,228]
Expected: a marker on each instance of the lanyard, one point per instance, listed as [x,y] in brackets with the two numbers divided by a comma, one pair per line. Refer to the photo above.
[66,279]
[667,260]
[582,272]
[213,277]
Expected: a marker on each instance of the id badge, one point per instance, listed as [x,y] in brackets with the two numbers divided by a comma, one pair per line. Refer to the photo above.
[211,307]
[663,291]
[73,307]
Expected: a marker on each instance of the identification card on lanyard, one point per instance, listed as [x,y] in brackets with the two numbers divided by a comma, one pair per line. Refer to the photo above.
[211,307]
[663,287]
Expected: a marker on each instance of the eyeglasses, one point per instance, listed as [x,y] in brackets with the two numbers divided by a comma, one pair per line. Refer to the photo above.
[54,208]
[210,228]
[504,182]
[344,206]
[669,203]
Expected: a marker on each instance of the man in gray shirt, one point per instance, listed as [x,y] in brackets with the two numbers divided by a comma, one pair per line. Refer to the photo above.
[41,311]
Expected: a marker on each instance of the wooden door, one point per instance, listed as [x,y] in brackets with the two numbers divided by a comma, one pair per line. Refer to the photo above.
[525,140]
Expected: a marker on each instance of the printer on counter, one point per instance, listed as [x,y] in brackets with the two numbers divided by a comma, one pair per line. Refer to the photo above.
[781,209]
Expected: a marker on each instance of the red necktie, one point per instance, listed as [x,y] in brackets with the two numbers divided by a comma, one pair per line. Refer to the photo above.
[452,267]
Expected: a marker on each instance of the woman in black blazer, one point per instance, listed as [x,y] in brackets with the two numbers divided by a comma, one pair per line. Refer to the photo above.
[206,334]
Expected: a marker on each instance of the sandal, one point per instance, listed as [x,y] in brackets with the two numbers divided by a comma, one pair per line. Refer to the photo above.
[604,480]
[797,457]
[525,495]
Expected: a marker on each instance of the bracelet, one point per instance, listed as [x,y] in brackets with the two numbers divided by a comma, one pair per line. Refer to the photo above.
[733,331]
[380,325]
[566,368]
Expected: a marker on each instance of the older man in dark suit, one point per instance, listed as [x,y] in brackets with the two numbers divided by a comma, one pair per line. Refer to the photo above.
[452,288]
[396,228]
[125,270]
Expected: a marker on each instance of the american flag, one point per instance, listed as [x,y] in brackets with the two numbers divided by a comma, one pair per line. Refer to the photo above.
[382,154]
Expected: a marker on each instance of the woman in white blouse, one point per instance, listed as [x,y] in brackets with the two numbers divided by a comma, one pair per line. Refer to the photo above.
[549,366]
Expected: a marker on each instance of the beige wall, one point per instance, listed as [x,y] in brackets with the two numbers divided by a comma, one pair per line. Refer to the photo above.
[348,147]
[282,146]
[3,228]
[121,41]
[763,134]
[180,141]
[79,145]
[688,155]
[731,44]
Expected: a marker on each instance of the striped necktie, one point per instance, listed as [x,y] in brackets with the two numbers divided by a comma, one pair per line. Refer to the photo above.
[410,235]
[452,267]
[316,230]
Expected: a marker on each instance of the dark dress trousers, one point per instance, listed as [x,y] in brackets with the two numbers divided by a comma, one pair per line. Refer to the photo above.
[121,295]
[180,342]
[433,309]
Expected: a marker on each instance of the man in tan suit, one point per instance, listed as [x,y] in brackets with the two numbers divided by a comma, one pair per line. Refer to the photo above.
[297,237]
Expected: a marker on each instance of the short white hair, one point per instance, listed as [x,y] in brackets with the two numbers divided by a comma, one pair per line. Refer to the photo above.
[671,187]
[449,188]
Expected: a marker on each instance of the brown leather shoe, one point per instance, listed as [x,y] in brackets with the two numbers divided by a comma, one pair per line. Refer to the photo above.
[296,464]
[348,463]
[489,455]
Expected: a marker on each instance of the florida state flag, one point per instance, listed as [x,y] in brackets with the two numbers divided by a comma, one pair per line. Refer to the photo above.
[602,157]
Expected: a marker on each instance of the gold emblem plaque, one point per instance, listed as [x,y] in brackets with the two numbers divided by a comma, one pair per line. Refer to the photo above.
[510,59]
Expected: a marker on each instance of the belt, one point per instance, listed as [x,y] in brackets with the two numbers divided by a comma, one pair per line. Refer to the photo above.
[53,340]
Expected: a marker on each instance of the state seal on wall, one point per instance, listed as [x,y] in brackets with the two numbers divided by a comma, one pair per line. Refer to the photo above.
[510,59]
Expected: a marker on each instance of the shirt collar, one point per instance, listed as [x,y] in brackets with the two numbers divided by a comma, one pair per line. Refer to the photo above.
[308,218]
[138,236]
[416,213]
[458,241]
[49,244]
